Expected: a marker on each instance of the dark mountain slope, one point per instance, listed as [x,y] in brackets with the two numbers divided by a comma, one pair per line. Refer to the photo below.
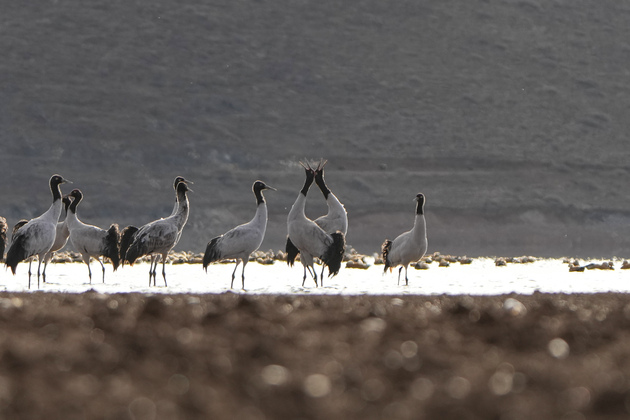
[510,115]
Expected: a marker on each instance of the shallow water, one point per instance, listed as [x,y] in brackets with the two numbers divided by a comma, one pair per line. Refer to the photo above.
[481,277]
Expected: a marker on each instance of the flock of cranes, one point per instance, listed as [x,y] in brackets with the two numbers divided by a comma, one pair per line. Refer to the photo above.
[322,239]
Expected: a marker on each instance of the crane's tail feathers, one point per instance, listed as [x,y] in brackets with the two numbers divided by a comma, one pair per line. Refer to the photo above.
[17,227]
[3,237]
[385,249]
[111,249]
[132,249]
[212,253]
[292,252]
[126,239]
[133,253]
[17,252]
[334,254]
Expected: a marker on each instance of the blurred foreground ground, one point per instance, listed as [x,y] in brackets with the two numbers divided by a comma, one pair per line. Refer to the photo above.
[230,356]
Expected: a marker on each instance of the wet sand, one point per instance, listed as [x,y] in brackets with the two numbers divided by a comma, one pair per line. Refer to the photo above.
[138,356]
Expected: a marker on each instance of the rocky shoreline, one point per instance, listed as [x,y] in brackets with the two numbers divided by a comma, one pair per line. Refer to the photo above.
[353,259]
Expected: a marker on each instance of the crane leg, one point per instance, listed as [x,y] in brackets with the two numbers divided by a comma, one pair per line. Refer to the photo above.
[234,273]
[103,267]
[39,264]
[152,268]
[47,259]
[163,271]
[243,273]
[30,261]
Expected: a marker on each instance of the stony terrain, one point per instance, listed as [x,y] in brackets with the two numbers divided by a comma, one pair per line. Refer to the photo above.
[510,115]
[229,356]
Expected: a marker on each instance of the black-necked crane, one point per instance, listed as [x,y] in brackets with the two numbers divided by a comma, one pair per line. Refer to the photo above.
[160,236]
[409,246]
[61,234]
[305,237]
[337,218]
[92,241]
[37,236]
[128,233]
[3,236]
[240,242]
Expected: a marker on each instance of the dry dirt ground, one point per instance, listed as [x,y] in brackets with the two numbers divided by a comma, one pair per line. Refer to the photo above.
[134,356]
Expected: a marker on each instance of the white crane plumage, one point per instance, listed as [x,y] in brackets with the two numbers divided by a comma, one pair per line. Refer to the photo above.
[92,241]
[409,246]
[37,236]
[310,240]
[160,236]
[240,242]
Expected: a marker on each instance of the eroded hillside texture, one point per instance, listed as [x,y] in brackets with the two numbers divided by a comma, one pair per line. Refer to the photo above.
[510,115]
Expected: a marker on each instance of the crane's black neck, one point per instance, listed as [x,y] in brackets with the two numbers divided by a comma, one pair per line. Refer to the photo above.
[319,180]
[420,205]
[182,187]
[55,181]
[78,196]
[66,203]
[308,182]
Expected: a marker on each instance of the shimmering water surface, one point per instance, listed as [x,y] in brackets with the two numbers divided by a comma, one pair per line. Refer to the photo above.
[481,277]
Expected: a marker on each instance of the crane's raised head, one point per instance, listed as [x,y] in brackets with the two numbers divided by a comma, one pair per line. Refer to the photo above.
[310,175]
[320,165]
[310,172]
[180,179]
[260,186]
[76,194]
[57,180]
[182,187]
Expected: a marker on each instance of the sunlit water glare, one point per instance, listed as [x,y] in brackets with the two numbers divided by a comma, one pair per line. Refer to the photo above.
[481,277]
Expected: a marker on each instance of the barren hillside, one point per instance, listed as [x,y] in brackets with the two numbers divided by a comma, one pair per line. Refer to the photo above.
[510,115]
